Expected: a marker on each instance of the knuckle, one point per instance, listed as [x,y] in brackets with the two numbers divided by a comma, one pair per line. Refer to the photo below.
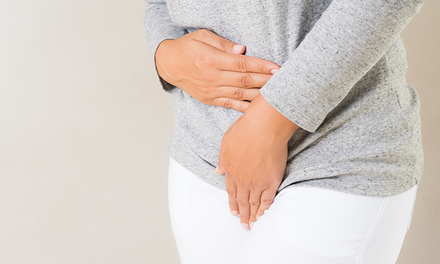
[205,100]
[204,60]
[208,78]
[201,98]
[203,33]
[255,203]
[205,93]
[257,186]
[224,44]
[239,93]
[242,65]
[227,103]
[231,193]
[203,79]
[267,201]
[245,81]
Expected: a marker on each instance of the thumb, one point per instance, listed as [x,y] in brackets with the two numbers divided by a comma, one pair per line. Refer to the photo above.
[219,169]
[214,40]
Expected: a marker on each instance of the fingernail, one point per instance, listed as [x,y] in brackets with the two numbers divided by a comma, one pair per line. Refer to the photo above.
[252,224]
[245,226]
[258,217]
[234,212]
[216,170]
[237,48]
[273,71]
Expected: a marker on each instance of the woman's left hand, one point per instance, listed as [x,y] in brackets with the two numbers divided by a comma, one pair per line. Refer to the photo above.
[253,158]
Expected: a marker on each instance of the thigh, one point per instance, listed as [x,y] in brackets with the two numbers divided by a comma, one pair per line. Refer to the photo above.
[311,225]
[203,227]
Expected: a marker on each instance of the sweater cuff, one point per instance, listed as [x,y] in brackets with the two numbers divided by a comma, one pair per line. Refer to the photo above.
[159,27]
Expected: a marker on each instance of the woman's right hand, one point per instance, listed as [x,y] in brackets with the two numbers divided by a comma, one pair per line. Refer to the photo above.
[213,69]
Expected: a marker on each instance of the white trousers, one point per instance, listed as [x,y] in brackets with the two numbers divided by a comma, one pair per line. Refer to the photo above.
[303,225]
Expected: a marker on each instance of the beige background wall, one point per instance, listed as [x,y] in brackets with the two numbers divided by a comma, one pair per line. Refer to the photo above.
[84,128]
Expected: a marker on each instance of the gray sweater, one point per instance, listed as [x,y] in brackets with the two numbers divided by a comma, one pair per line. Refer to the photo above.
[342,81]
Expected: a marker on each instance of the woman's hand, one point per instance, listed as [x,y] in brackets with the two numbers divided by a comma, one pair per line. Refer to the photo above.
[212,69]
[253,158]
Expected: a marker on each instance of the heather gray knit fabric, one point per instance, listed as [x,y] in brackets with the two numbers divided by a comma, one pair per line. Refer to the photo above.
[342,80]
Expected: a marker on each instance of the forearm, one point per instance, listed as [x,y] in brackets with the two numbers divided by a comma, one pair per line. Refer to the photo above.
[344,44]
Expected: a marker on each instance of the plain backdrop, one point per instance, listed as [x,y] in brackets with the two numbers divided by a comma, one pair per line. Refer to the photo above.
[84,128]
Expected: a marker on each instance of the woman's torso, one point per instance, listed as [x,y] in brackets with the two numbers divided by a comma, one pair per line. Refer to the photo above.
[368,144]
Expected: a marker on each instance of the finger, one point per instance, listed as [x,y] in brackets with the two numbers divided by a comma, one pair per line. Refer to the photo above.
[242,63]
[237,93]
[254,201]
[243,206]
[243,80]
[231,189]
[219,170]
[218,42]
[233,104]
[266,200]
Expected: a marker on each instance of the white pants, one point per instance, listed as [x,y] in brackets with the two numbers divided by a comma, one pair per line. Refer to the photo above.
[303,225]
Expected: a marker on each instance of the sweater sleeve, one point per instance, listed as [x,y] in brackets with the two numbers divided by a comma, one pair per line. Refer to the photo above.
[159,27]
[344,44]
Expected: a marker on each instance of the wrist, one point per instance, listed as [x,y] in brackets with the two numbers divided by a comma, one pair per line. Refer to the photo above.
[160,57]
[268,118]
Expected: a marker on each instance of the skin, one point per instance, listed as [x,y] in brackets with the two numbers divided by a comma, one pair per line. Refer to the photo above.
[214,71]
